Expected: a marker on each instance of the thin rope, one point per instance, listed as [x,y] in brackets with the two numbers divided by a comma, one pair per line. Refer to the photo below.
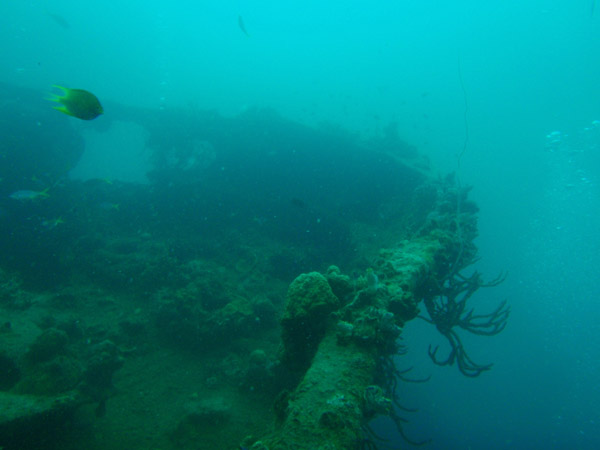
[465,115]
[455,267]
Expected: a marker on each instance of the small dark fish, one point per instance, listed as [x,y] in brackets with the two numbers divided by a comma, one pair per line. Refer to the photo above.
[51,224]
[242,26]
[108,206]
[60,21]
[29,195]
[298,203]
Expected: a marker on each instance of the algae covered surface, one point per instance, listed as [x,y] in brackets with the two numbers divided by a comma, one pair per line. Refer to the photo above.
[251,293]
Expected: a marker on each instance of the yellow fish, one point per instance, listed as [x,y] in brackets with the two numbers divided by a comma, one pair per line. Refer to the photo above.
[77,103]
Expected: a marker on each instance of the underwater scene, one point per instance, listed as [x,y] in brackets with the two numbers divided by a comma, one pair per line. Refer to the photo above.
[299,225]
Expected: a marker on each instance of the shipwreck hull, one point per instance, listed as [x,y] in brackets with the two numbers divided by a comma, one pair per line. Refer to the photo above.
[252,292]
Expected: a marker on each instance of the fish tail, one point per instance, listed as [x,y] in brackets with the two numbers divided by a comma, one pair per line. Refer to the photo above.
[63,109]
[57,97]
[53,98]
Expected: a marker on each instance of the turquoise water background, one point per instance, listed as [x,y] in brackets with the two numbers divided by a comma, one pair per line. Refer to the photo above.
[529,68]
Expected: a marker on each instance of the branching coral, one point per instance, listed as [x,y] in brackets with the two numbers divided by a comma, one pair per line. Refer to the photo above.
[392,375]
[447,311]
[377,400]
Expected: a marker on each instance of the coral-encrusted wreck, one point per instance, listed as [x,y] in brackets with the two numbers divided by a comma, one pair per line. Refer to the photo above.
[252,293]
[344,333]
